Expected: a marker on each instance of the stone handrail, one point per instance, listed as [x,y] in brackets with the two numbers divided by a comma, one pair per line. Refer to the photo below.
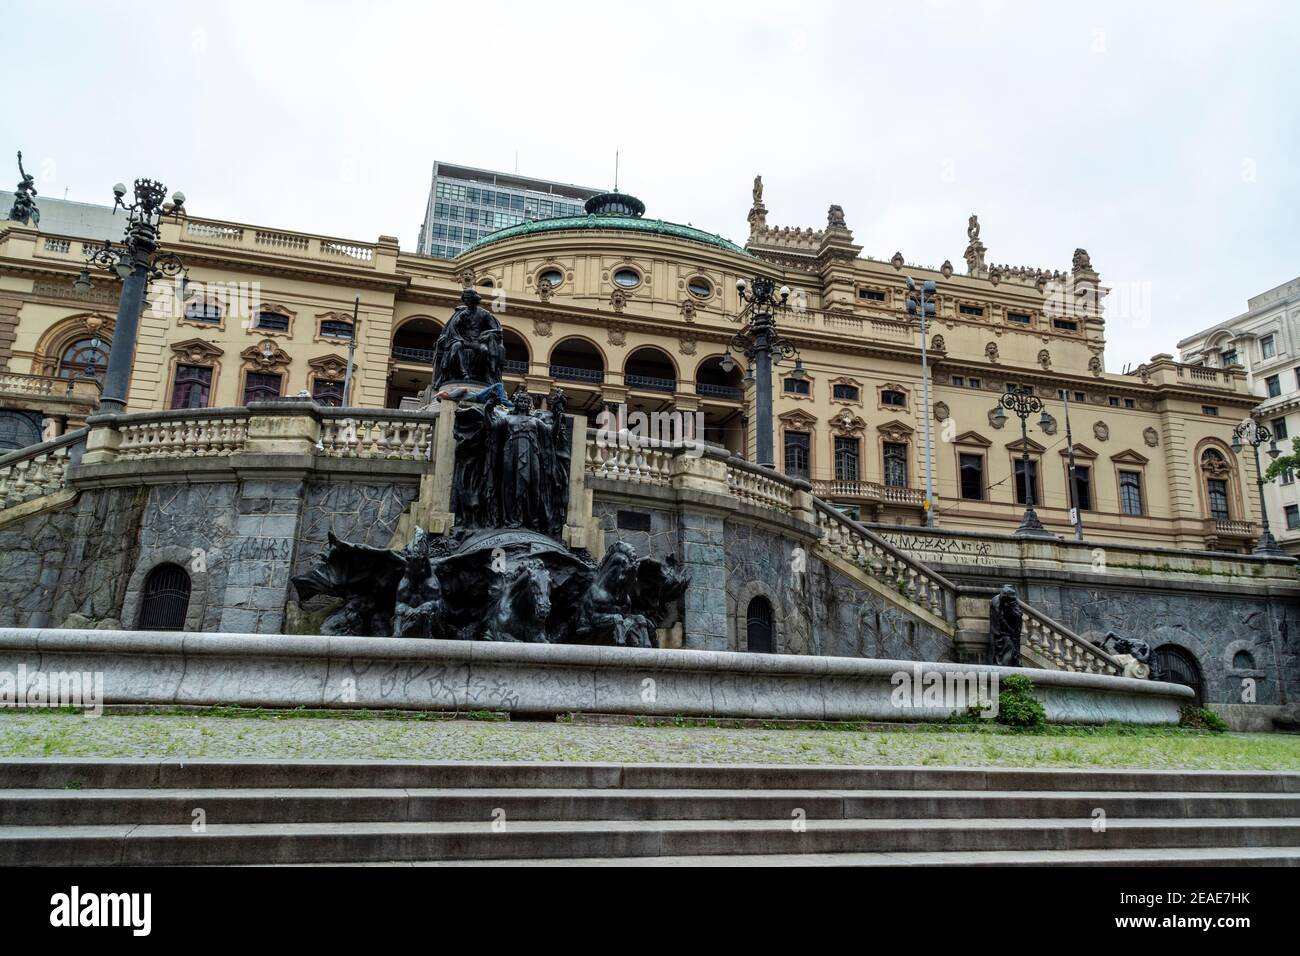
[184,433]
[1056,647]
[37,470]
[871,553]
[762,486]
[866,490]
[622,456]
[354,433]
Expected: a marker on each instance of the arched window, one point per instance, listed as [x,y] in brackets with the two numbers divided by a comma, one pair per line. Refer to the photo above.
[1217,473]
[758,626]
[82,354]
[1175,665]
[166,599]
[1243,661]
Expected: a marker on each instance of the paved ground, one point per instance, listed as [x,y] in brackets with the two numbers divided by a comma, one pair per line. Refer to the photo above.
[35,734]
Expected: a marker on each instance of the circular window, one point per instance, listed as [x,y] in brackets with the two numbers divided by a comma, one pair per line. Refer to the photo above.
[627,278]
[700,287]
[553,277]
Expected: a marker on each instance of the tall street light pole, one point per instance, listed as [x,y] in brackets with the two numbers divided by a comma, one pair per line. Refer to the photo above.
[1024,403]
[136,262]
[352,349]
[921,304]
[1076,513]
[1255,435]
[761,344]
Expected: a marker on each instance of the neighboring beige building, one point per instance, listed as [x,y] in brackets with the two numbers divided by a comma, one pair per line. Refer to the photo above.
[1264,342]
[619,308]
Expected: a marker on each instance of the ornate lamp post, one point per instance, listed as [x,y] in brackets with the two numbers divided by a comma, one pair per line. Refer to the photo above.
[1256,435]
[1024,403]
[137,262]
[1076,513]
[921,304]
[759,342]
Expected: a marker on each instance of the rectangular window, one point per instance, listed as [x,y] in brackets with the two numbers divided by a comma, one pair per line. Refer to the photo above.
[192,387]
[1211,410]
[1083,487]
[334,329]
[895,465]
[1292,517]
[273,321]
[1217,491]
[1268,347]
[873,295]
[1130,492]
[846,459]
[1065,325]
[1020,482]
[1279,428]
[1287,477]
[1114,401]
[327,393]
[893,398]
[971,310]
[1273,385]
[797,445]
[958,380]
[199,310]
[260,386]
[972,476]
[1229,358]
[973,382]
[1018,317]
[795,386]
[1130,403]
[1079,397]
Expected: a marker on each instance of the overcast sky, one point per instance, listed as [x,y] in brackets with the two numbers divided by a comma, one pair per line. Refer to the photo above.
[1161,137]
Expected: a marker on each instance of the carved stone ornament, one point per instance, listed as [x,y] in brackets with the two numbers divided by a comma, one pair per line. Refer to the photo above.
[835,218]
[616,337]
[196,352]
[1216,467]
[686,346]
[1048,424]
[991,351]
[994,419]
[895,432]
[937,344]
[946,268]
[897,260]
[265,358]
[688,310]
[332,368]
[1094,365]
[1101,431]
[941,411]
[467,277]
[1082,261]
[1045,358]
[544,290]
[618,299]
[844,422]
[1151,436]
[542,327]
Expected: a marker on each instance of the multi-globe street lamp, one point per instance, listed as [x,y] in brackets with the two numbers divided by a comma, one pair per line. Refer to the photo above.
[763,347]
[136,262]
[1255,434]
[920,303]
[1022,400]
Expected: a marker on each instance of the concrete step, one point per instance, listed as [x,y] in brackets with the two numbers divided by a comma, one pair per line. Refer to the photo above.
[1169,856]
[44,807]
[94,773]
[362,841]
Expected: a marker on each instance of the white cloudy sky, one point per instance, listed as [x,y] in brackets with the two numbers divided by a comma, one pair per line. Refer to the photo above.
[1160,136]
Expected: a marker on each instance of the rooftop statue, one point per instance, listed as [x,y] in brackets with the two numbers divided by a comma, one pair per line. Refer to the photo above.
[24,208]
[973,228]
[470,348]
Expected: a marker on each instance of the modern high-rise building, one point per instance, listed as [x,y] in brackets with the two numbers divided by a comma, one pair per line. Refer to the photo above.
[467,203]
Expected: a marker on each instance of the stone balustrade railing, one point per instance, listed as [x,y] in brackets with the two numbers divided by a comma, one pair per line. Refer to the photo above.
[183,434]
[761,486]
[38,470]
[1054,646]
[625,457]
[874,555]
[352,433]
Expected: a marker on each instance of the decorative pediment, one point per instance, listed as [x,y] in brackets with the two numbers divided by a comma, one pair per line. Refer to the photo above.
[844,422]
[1129,457]
[895,431]
[1020,444]
[265,356]
[798,419]
[972,438]
[197,352]
[330,367]
[1080,451]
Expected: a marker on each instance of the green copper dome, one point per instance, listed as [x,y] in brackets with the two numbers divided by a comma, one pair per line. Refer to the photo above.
[615,211]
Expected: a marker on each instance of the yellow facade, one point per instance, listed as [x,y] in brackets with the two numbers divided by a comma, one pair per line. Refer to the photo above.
[640,314]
